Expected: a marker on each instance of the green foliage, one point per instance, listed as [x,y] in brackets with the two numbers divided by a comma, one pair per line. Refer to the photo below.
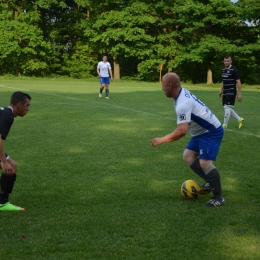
[81,63]
[43,37]
[21,44]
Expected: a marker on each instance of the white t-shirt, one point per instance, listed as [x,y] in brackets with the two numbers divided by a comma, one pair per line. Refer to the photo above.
[104,68]
[190,109]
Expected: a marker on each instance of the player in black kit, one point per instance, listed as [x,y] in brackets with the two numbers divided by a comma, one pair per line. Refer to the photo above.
[19,106]
[230,88]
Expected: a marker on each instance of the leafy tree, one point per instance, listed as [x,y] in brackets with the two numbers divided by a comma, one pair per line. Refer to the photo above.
[191,37]
[81,64]
[22,48]
[124,33]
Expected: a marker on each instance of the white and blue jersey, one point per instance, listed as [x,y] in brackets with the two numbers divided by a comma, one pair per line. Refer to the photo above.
[190,109]
[206,130]
[104,67]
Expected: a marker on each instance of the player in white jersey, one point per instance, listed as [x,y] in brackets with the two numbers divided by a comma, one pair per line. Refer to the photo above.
[103,71]
[195,117]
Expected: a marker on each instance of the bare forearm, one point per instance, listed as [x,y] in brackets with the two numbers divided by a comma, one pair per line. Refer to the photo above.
[2,153]
[239,88]
[174,136]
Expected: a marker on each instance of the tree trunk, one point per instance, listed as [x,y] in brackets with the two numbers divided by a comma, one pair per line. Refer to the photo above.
[116,69]
[209,75]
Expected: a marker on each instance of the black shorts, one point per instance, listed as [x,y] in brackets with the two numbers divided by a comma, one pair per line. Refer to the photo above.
[228,98]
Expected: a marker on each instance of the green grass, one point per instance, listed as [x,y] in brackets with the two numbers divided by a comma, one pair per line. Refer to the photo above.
[94,188]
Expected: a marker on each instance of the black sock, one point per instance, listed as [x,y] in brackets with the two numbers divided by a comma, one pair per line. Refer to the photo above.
[107,92]
[213,178]
[3,197]
[101,89]
[7,184]
[195,166]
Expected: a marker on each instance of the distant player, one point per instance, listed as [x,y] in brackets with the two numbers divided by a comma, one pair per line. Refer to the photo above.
[103,71]
[231,87]
[19,106]
[206,131]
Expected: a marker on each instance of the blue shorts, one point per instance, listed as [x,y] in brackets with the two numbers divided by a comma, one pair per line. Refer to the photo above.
[207,145]
[104,80]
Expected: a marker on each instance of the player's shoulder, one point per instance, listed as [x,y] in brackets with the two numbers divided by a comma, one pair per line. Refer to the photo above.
[233,68]
[6,112]
[5,109]
[184,98]
[185,94]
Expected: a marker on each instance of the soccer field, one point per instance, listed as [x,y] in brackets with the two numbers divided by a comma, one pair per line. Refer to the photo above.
[94,188]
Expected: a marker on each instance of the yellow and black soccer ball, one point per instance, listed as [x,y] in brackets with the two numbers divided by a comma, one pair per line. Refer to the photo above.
[190,189]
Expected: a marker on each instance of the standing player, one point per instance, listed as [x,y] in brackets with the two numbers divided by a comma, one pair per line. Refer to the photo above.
[103,71]
[206,131]
[229,91]
[19,106]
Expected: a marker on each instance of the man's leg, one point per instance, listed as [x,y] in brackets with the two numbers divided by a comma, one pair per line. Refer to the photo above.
[190,157]
[101,90]
[237,117]
[226,115]
[213,178]
[7,184]
[107,91]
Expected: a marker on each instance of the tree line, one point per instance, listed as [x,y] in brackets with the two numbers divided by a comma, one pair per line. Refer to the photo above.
[190,37]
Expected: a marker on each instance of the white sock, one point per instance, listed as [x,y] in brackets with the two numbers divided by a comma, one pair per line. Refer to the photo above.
[234,114]
[227,114]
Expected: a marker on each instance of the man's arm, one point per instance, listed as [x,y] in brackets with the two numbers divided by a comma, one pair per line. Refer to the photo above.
[98,71]
[2,153]
[239,87]
[178,133]
[6,167]
[110,72]
[221,91]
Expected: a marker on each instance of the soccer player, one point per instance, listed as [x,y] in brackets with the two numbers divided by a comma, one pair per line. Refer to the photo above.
[195,117]
[103,71]
[228,92]
[19,106]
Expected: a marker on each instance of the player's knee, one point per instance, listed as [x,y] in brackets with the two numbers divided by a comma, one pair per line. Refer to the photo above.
[205,164]
[187,158]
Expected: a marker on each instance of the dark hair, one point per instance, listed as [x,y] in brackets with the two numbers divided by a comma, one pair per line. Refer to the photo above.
[227,57]
[19,96]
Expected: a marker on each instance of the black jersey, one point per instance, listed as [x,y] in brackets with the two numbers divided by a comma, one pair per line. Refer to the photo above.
[229,78]
[6,121]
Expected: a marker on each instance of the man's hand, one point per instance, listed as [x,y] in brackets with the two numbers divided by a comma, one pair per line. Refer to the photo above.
[7,168]
[239,97]
[156,141]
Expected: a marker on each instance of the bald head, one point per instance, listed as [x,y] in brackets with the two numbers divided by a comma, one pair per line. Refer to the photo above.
[171,84]
[172,78]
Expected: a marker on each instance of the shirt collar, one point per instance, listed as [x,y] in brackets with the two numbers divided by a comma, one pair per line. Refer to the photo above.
[178,94]
[11,108]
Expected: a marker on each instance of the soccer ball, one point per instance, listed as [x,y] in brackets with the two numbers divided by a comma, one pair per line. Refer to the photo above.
[190,189]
